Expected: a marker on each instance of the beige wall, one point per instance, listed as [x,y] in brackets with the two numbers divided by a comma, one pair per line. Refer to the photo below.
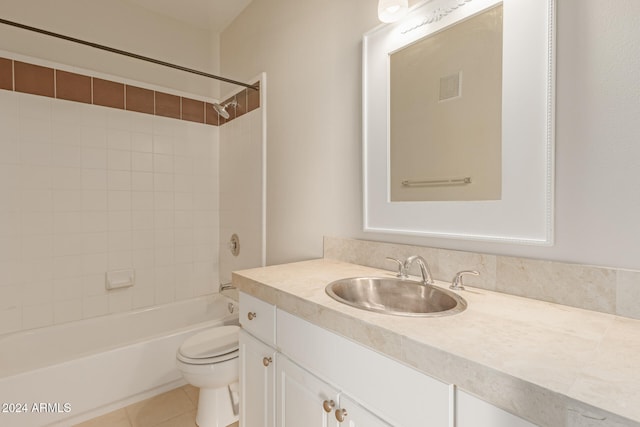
[311,52]
[118,24]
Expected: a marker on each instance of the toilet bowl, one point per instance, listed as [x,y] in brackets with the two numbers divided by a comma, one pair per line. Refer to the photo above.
[209,360]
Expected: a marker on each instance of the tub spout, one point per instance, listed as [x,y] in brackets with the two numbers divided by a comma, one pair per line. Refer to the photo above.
[226,286]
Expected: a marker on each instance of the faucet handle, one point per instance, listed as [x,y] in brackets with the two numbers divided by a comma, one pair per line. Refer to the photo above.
[402,273]
[456,283]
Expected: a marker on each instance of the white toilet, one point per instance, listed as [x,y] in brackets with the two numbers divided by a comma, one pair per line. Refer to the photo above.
[209,360]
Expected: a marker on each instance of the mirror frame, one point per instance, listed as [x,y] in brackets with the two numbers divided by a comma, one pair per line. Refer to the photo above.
[524,215]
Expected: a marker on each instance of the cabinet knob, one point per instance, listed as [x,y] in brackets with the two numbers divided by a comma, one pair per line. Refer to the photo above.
[266,361]
[251,315]
[341,414]
[328,405]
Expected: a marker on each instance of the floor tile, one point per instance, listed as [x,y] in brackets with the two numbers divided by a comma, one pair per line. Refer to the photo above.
[192,392]
[117,418]
[185,420]
[163,407]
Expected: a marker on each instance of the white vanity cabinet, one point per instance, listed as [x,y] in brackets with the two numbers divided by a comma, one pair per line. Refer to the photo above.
[305,400]
[474,412]
[257,363]
[296,374]
[257,382]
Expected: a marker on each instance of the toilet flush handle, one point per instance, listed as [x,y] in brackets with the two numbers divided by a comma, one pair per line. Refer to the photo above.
[251,315]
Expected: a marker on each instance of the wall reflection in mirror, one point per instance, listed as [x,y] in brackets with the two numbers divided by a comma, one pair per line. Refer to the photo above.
[446,113]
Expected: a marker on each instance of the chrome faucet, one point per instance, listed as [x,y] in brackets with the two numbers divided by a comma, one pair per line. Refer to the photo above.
[402,272]
[424,268]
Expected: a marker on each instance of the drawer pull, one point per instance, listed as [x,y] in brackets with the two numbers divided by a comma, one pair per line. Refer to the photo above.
[328,405]
[341,414]
[251,315]
[266,361]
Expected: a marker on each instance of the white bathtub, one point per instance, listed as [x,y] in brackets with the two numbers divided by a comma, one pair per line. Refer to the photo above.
[71,372]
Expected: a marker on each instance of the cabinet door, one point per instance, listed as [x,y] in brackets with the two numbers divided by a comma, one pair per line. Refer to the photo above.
[354,415]
[257,382]
[473,412]
[303,400]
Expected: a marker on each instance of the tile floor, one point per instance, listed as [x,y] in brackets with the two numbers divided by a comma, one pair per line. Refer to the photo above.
[175,408]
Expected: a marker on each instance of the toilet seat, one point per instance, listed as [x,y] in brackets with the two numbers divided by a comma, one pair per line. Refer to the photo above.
[212,346]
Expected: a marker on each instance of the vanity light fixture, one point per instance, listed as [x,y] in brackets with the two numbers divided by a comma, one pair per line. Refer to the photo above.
[392,10]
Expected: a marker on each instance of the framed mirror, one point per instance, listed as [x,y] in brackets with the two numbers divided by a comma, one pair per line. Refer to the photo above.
[458,121]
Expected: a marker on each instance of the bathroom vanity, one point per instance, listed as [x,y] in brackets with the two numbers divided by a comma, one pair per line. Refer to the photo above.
[309,360]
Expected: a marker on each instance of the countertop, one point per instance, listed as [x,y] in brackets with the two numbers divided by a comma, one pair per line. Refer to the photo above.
[551,364]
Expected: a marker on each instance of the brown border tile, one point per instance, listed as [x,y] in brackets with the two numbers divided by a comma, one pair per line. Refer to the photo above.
[241,109]
[73,87]
[33,79]
[210,115]
[108,93]
[139,99]
[253,98]
[193,110]
[6,74]
[167,105]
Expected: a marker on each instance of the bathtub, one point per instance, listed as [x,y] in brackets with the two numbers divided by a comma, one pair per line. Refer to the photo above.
[68,373]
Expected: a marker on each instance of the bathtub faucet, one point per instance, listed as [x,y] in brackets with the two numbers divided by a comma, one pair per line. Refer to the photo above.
[226,286]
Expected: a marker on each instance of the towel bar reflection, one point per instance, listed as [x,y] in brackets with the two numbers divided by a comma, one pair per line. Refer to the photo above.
[434,182]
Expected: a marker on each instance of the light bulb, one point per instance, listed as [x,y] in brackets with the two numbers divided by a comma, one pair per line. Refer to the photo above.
[392,10]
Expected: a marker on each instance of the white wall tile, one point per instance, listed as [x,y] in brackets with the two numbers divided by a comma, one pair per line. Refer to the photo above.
[95,305]
[119,180]
[119,200]
[33,130]
[94,158]
[163,182]
[141,142]
[93,137]
[35,153]
[37,223]
[67,156]
[67,200]
[67,311]
[118,139]
[119,221]
[95,242]
[10,319]
[66,178]
[94,179]
[34,177]
[142,162]
[118,160]
[37,316]
[142,200]
[94,200]
[142,181]
[163,144]
[86,189]
[162,163]
[9,150]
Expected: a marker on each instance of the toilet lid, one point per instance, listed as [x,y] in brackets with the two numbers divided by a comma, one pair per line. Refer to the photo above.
[211,343]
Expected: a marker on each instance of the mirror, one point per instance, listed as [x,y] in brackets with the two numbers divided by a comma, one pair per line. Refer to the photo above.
[413,133]
[445,110]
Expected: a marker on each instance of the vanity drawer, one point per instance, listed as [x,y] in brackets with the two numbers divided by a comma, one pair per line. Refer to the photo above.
[258,318]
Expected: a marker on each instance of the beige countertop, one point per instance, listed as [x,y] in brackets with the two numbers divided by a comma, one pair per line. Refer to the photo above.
[551,364]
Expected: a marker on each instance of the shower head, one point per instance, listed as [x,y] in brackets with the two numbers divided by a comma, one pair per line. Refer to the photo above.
[222,109]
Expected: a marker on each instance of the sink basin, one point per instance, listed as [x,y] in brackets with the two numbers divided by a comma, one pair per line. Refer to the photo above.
[396,296]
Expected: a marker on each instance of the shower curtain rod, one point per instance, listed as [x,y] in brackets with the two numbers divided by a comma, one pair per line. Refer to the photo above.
[125,53]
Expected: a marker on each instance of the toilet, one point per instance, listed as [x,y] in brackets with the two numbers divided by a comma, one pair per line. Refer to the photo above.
[209,360]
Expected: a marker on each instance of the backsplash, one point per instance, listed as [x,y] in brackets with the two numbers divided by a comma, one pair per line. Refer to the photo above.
[602,289]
